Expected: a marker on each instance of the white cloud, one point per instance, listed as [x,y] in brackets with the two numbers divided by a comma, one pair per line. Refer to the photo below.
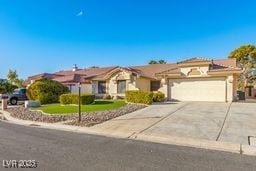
[80,14]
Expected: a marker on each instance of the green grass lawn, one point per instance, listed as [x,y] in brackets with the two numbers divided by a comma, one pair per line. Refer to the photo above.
[97,106]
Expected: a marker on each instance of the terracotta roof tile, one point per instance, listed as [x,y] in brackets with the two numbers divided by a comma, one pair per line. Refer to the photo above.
[230,62]
[150,70]
[196,59]
[75,78]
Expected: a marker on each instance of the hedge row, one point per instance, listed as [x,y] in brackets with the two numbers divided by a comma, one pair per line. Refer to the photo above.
[135,96]
[73,99]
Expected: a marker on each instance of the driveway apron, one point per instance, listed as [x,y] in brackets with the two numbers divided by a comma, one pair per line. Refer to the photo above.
[240,124]
[201,120]
[135,122]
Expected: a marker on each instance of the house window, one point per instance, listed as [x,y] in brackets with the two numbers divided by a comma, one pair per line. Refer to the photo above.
[154,85]
[102,87]
[121,86]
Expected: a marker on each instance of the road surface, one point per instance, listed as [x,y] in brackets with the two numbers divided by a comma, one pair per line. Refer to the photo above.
[60,150]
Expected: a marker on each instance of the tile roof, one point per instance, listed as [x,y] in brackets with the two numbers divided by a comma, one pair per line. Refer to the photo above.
[196,59]
[69,76]
[225,65]
[75,78]
[229,64]
[148,71]
[40,76]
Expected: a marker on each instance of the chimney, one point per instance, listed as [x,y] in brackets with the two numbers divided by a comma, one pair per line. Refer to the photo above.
[74,68]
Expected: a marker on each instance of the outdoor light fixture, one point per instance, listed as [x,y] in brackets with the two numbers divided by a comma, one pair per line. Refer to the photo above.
[79,102]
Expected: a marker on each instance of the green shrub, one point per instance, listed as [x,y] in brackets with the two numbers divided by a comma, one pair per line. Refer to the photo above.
[47,98]
[46,91]
[158,97]
[73,99]
[87,99]
[135,96]
[69,99]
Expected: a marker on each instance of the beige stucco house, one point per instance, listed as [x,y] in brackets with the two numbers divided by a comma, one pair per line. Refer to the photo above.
[194,79]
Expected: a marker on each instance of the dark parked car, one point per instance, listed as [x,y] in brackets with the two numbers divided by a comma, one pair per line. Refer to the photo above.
[18,95]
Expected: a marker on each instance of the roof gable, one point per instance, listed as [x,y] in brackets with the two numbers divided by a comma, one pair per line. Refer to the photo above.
[194,62]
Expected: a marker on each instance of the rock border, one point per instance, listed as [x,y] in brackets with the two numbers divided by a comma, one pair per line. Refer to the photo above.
[88,118]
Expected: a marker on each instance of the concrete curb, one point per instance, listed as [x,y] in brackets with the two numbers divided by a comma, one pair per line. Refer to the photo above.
[188,142]
[56,126]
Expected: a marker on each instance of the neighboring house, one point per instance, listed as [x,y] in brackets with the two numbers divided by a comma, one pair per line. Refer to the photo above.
[194,79]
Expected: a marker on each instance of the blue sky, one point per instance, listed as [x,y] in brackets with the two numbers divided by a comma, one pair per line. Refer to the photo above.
[47,36]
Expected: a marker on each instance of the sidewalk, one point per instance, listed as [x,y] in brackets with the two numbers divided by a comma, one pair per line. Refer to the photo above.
[197,143]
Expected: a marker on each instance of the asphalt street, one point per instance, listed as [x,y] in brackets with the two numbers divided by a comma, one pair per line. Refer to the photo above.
[60,150]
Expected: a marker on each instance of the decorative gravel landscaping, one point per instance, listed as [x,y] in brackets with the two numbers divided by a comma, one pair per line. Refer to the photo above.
[88,118]
[94,118]
[26,114]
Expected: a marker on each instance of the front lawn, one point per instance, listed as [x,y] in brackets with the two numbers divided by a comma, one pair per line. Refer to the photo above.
[97,106]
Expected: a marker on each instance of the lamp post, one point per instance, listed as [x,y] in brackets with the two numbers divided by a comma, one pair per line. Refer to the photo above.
[79,102]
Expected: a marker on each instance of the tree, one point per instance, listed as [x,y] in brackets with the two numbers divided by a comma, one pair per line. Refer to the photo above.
[19,83]
[246,56]
[162,61]
[153,62]
[94,67]
[157,62]
[13,78]
[6,87]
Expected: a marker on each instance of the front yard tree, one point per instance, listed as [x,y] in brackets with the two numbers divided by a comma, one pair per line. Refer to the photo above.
[13,78]
[246,55]
[6,87]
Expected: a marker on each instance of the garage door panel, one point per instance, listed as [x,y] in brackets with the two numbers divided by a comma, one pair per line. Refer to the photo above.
[198,89]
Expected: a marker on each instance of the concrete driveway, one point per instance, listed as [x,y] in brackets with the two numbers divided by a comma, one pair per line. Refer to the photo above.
[229,122]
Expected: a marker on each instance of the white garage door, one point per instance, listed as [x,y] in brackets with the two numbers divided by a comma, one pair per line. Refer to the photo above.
[198,89]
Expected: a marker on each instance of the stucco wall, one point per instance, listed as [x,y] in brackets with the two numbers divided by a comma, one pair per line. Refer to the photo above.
[122,75]
[164,87]
[132,83]
[85,89]
[230,88]
[142,84]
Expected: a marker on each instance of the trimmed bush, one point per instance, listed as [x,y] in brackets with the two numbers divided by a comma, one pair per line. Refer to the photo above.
[69,99]
[87,99]
[158,97]
[46,91]
[73,99]
[135,96]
